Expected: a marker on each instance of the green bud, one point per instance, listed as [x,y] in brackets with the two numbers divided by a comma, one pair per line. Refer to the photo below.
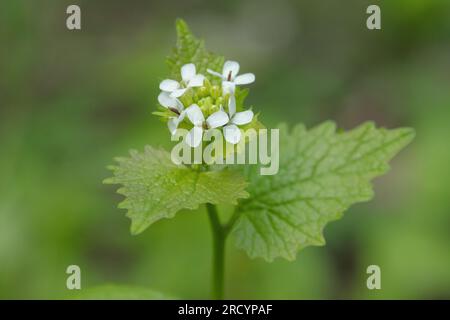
[202,92]
[204,109]
[220,101]
[187,101]
[187,98]
[214,108]
[208,102]
[207,84]
[215,92]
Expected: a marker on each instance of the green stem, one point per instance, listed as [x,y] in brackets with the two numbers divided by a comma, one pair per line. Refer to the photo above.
[230,224]
[219,237]
[220,232]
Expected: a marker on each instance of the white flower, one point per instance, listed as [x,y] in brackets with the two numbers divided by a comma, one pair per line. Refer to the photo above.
[174,105]
[190,79]
[173,122]
[232,120]
[169,102]
[230,78]
[231,131]
[195,116]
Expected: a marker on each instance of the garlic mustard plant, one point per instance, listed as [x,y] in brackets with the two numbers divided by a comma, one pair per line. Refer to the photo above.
[322,170]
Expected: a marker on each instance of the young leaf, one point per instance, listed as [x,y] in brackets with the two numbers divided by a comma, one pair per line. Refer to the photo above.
[156,188]
[119,292]
[321,174]
[189,49]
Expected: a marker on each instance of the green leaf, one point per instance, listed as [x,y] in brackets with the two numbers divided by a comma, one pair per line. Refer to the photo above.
[156,188]
[189,49]
[321,174]
[119,292]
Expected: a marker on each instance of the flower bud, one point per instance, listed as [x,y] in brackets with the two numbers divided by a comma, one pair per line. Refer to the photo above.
[220,101]
[215,92]
[202,92]
[214,108]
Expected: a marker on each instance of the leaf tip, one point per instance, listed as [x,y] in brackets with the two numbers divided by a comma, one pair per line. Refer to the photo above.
[410,134]
[110,180]
[137,227]
[181,26]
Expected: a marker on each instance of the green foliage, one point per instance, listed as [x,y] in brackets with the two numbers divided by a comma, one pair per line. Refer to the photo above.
[156,188]
[119,292]
[321,174]
[189,49]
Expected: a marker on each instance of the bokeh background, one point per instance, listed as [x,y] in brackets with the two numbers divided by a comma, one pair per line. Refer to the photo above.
[72,100]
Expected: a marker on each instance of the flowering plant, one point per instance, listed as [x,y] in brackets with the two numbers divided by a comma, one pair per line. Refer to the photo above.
[322,171]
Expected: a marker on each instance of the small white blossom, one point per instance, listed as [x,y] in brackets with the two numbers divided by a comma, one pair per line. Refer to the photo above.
[230,77]
[173,122]
[232,120]
[189,77]
[169,102]
[231,131]
[195,116]
[174,105]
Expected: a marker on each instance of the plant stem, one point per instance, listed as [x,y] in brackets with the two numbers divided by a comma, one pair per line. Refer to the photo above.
[219,237]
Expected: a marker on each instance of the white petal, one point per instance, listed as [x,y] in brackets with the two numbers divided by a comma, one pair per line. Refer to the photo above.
[197,80]
[180,106]
[228,87]
[217,119]
[243,117]
[245,78]
[195,115]
[188,71]
[178,93]
[232,105]
[194,137]
[169,85]
[173,125]
[214,73]
[166,100]
[230,69]
[181,116]
[232,134]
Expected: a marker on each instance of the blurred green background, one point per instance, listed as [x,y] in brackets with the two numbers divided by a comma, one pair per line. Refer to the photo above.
[72,100]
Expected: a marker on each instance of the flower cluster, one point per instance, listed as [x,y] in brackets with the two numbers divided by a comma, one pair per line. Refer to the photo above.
[195,104]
